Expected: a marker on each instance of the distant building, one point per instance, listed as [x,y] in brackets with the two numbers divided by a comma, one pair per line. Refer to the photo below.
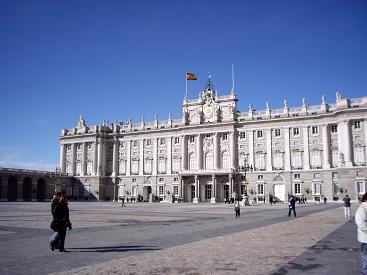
[32,185]
[309,151]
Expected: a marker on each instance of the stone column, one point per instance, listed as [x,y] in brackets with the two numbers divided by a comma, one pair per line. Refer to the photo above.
[141,157]
[128,157]
[169,156]
[155,156]
[73,157]
[199,152]
[182,189]
[230,178]
[232,137]
[216,151]
[184,153]
[269,166]
[62,158]
[326,146]
[347,144]
[95,157]
[84,159]
[196,199]
[214,193]
[251,148]
[100,157]
[306,153]
[287,151]
[115,157]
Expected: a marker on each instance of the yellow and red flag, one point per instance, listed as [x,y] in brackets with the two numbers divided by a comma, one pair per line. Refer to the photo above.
[191,76]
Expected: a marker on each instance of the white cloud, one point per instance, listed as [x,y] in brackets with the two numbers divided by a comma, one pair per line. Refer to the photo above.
[28,165]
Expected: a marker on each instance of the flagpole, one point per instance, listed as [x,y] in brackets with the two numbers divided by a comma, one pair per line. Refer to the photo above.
[186,85]
[232,78]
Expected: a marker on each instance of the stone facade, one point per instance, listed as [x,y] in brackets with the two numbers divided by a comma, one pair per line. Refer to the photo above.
[308,151]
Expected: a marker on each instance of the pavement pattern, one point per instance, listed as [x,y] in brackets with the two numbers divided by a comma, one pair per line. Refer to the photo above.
[180,239]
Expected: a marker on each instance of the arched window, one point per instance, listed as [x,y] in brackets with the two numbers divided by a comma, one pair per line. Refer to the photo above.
[162,165]
[148,166]
[192,161]
[209,160]
[335,157]
[297,159]
[316,158]
[278,160]
[176,164]
[242,159]
[122,167]
[359,155]
[260,160]
[225,160]
[278,178]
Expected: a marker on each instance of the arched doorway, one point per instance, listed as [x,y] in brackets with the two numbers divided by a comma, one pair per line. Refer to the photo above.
[12,188]
[279,188]
[27,189]
[41,189]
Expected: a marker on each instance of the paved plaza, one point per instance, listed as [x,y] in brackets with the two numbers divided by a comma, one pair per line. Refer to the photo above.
[183,238]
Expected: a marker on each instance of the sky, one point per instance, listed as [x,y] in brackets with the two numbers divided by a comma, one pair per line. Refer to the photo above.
[110,60]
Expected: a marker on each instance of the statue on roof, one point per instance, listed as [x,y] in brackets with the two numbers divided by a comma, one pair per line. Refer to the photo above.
[81,122]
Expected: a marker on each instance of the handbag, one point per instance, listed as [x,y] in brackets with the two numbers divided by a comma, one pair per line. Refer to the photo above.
[55,225]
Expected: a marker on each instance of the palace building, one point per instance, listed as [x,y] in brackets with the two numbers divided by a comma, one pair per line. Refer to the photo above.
[215,152]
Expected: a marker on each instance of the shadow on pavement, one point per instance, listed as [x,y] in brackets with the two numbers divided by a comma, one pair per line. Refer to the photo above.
[120,248]
[337,253]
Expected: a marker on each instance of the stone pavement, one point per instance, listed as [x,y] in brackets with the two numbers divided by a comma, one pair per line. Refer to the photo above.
[295,246]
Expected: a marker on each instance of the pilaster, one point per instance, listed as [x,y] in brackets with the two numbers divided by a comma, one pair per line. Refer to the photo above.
[326,146]
[251,148]
[199,152]
[141,157]
[169,156]
[269,166]
[287,149]
[62,158]
[306,152]
[128,157]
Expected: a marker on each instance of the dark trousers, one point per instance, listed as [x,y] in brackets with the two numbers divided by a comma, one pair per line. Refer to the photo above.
[62,234]
[290,211]
[238,213]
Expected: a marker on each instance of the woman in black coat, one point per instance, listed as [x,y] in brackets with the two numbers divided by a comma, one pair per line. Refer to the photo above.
[61,215]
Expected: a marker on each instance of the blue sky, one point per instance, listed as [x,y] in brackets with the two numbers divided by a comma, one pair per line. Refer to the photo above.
[119,59]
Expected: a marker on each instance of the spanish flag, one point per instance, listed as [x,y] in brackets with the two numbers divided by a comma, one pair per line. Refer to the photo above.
[191,76]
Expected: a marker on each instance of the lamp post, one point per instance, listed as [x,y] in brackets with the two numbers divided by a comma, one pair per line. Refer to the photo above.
[242,170]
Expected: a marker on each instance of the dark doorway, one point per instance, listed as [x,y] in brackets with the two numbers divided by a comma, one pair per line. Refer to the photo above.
[41,189]
[12,188]
[27,189]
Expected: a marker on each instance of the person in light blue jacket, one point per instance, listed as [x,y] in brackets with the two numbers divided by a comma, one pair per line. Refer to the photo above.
[361,221]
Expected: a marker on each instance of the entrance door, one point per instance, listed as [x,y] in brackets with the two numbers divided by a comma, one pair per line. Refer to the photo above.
[226,192]
[147,190]
[279,191]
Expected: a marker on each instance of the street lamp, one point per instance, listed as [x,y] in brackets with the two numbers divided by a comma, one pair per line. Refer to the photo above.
[242,170]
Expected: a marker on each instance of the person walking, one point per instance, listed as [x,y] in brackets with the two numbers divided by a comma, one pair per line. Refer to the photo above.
[123,202]
[346,201]
[361,222]
[61,215]
[237,209]
[271,199]
[54,240]
[292,206]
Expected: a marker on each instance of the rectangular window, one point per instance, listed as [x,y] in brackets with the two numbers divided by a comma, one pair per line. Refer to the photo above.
[260,189]
[357,124]
[149,142]
[162,141]
[135,143]
[224,136]
[315,130]
[297,176]
[297,188]
[192,139]
[175,190]
[208,192]
[361,187]
[259,134]
[334,128]
[175,179]
[296,132]
[242,135]
[161,179]
[161,190]
[317,189]
[260,177]
[122,144]
[177,140]
[133,180]
[277,132]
